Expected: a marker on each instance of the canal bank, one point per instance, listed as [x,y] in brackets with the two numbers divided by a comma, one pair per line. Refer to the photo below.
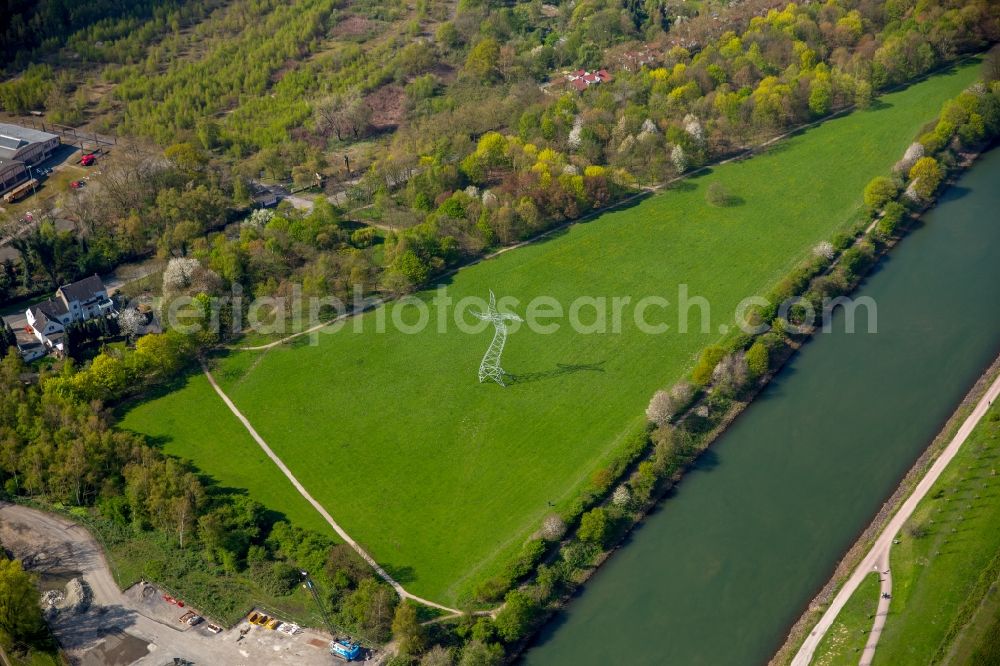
[721,571]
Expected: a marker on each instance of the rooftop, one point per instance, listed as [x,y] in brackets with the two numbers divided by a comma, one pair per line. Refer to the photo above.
[82,290]
[15,137]
[24,135]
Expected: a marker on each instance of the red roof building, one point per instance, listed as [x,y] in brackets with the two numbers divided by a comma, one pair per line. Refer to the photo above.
[581,79]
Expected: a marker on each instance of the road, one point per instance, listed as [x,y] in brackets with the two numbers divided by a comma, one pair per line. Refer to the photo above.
[878,557]
[121,628]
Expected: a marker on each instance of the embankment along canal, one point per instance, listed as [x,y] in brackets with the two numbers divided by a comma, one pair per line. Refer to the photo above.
[719,573]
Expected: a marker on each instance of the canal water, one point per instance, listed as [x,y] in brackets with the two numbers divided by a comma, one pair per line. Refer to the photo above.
[719,573]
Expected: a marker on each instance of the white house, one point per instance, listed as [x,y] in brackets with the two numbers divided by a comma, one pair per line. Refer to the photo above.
[82,300]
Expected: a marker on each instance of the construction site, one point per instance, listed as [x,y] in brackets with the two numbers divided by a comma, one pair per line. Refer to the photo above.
[97,624]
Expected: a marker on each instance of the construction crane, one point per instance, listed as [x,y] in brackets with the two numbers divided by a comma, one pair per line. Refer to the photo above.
[307,580]
[347,650]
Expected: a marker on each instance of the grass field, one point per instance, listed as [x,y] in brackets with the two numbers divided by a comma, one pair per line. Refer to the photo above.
[442,478]
[848,635]
[979,641]
[196,429]
[941,577]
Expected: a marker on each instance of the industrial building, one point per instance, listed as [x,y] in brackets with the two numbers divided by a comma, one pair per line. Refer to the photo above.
[11,173]
[23,144]
[20,149]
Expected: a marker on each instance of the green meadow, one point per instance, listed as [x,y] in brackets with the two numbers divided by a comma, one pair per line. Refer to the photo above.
[443,478]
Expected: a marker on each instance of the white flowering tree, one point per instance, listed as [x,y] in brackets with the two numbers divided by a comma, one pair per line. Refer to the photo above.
[259,218]
[910,157]
[627,144]
[553,527]
[621,496]
[731,374]
[179,274]
[665,404]
[129,321]
[911,192]
[825,250]
[575,134]
[648,129]
[679,159]
[694,129]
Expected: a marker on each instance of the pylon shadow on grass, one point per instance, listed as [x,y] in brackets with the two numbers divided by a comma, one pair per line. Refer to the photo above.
[560,370]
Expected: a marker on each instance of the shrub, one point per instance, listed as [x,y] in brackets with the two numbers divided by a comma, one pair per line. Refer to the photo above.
[515,618]
[731,373]
[644,480]
[491,589]
[842,241]
[277,578]
[932,143]
[525,561]
[891,219]
[758,359]
[926,175]
[709,358]
[595,527]
[880,190]
[364,237]
[856,259]
[717,195]
[477,653]
[666,448]
[577,555]
[438,656]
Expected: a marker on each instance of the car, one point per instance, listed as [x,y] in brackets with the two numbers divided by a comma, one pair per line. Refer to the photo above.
[88,159]
[76,184]
[195,620]
[214,628]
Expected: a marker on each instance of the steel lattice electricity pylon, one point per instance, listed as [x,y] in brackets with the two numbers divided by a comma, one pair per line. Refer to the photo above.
[490,367]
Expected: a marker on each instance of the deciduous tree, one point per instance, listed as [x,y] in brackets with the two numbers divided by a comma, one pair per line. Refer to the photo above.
[406,630]
[20,615]
[926,175]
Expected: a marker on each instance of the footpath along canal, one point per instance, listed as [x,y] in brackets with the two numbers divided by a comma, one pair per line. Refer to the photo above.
[724,567]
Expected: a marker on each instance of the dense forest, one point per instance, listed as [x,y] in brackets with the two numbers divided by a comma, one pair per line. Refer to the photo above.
[459,127]
[34,29]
